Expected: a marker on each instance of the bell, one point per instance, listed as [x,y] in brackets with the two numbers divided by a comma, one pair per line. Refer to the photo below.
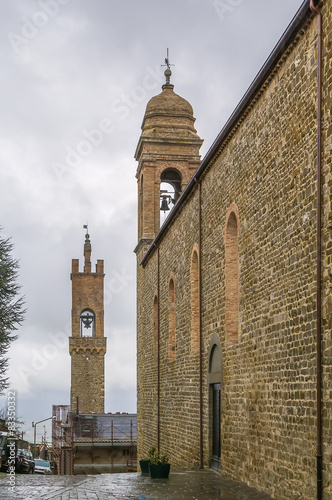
[87,321]
[164,205]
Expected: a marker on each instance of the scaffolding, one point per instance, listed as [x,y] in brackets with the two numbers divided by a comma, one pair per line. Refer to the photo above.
[92,443]
[104,442]
[62,440]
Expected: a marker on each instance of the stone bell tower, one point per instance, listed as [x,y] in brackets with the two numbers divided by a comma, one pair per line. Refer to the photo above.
[167,152]
[87,345]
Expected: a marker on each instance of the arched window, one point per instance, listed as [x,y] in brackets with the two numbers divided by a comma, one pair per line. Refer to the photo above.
[194,301]
[215,361]
[232,277]
[171,320]
[155,327]
[170,190]
[87,323]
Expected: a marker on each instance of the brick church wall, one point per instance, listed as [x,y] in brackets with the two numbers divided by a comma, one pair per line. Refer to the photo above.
[266,171]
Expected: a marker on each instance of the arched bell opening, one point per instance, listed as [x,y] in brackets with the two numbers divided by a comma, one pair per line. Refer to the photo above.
[87,321]
[170,190]
[215,382]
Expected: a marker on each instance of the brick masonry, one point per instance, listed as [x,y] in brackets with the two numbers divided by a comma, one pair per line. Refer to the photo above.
[266,170]
[87,353]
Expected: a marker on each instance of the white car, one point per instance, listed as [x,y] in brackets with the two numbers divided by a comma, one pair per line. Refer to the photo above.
[42,466]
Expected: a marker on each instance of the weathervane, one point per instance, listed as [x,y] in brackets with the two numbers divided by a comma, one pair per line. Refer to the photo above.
[85,226]
[168,72]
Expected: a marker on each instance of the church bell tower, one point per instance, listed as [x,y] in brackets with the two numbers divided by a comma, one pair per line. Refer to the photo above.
[87,345]
[167,154]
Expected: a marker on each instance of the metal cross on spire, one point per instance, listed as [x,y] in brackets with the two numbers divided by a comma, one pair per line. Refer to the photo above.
[168,71]
[167,63]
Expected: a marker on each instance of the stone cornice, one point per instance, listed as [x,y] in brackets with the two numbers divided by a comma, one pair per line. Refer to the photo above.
[87,345]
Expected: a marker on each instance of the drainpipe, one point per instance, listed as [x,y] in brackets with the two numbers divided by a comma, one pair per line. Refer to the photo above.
[158,354]
[319,454]
[200,322]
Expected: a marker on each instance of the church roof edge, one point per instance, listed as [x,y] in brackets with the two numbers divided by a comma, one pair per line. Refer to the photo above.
[300,18]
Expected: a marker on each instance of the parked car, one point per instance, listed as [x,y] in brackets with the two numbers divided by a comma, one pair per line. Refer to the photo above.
[8,450]
[42,466]
[24,462]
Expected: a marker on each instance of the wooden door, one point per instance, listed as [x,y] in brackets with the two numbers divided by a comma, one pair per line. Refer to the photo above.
[216,423]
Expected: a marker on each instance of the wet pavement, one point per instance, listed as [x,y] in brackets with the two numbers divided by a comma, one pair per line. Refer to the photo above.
[193,485]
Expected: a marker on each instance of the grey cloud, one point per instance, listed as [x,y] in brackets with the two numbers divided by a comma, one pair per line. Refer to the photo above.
[65,80]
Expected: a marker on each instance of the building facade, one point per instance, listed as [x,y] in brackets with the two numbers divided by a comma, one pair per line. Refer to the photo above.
[87,345]
[93,443]
[234,303]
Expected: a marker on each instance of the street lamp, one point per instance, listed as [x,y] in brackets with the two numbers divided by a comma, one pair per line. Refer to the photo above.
[34,425]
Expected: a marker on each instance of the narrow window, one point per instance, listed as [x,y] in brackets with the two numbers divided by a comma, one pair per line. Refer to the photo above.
[87,323]
[194,302]
[155,328]
[171,321]
[232,279]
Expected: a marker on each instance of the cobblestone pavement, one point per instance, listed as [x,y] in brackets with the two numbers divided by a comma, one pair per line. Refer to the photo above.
[195,485]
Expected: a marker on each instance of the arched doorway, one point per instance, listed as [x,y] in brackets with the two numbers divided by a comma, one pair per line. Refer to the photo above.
[215,384]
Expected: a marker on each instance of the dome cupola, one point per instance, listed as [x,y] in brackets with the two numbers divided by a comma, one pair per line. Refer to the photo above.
[167,155]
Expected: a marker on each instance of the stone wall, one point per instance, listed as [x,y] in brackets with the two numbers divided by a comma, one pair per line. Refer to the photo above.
[87,353]
[87,374]
[266,171]
[327,249]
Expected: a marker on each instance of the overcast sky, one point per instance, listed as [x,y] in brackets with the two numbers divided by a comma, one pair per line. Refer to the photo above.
[76,76]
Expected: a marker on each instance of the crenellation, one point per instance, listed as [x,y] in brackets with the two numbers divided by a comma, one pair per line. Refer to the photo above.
[87,352]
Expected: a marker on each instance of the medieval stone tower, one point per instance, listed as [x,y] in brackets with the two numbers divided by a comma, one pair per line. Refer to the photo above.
[167,154]
[87,345]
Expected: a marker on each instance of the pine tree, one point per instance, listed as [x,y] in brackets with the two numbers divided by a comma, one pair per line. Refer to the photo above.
[11,306]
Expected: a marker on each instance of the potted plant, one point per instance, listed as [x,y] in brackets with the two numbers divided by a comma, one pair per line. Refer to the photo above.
[144,462]
[159,466]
